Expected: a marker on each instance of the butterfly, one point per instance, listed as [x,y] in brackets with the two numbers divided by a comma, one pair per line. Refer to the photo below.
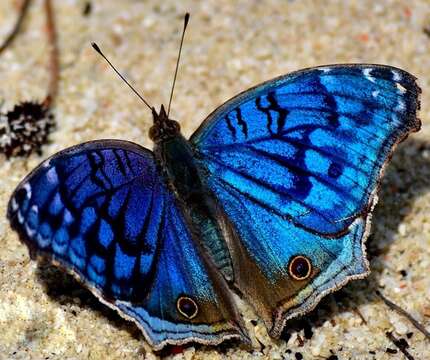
[270,198]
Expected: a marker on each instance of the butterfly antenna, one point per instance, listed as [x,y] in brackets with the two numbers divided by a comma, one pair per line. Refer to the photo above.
[186,19]
[96,48]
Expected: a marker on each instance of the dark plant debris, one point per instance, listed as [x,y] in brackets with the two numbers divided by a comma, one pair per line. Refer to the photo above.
[391,351]
[401,344]
[298,356]
[88,8]
[25,128]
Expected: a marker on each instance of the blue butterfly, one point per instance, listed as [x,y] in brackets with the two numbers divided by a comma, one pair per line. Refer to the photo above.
[271,197]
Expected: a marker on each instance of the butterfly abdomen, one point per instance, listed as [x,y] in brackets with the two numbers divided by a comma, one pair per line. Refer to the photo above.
[176,159]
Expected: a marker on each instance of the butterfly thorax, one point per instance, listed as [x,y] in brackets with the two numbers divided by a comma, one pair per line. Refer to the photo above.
[177,164]
[175,157]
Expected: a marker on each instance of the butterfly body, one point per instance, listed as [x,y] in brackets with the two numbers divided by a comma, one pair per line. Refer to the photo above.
[185,178]
[271,197]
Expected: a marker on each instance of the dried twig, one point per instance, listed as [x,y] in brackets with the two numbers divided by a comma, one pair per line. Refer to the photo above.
[403,312]
[360,315]
[17,27]
[54,67]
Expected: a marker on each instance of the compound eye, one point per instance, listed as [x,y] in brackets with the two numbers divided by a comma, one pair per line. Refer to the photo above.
[187,307]
[154,133]
[173,125]
[300,267]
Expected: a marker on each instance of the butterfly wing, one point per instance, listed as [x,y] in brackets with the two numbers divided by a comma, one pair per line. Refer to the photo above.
[101,211]
[295,163]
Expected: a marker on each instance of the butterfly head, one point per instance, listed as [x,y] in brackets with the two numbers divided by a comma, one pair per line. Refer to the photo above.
[163,128]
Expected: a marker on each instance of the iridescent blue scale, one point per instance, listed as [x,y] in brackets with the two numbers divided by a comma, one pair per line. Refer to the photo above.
[272,196]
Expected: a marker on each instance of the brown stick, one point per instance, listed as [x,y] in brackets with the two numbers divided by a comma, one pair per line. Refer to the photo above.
[17,26]
[360,315]
[403,312]
[54,66]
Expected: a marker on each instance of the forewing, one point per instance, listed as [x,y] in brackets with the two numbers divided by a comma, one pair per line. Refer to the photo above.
[295,164]
[101,211]
[311,145]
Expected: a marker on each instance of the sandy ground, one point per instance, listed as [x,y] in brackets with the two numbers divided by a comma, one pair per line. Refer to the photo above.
[230,46]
